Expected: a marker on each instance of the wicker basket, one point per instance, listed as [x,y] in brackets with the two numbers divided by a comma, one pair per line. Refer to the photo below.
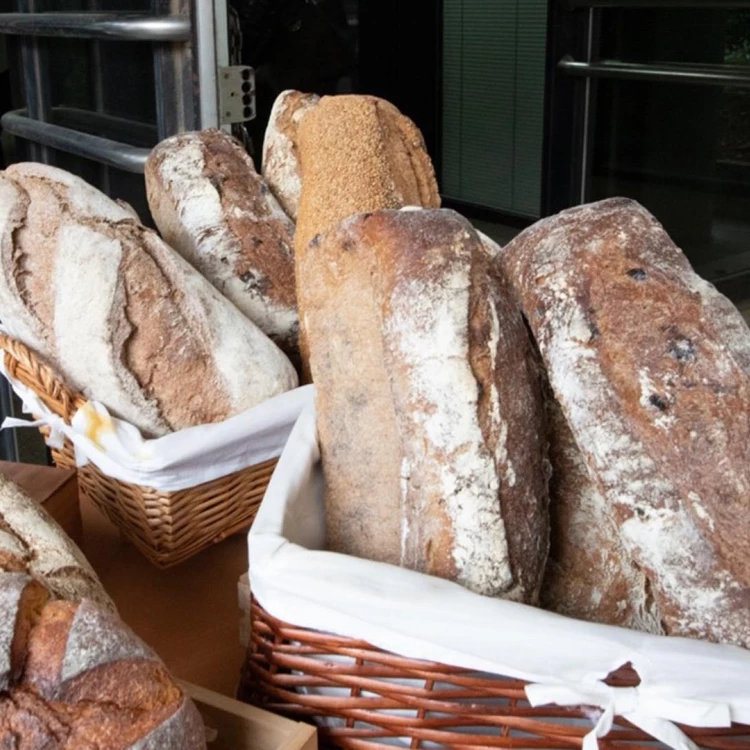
[167,527]
[374,697]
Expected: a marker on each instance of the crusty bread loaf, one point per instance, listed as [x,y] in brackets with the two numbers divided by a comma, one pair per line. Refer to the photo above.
[429,407]
[79,678]
[358,154]
[211,206]
[31,542]
[281,164]
[120,315]
[650,366]
[589,575]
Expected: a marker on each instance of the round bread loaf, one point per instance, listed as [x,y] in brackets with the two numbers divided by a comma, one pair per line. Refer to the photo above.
[211,206]
[281,163]
[119,314]
[429,408]
[650,366]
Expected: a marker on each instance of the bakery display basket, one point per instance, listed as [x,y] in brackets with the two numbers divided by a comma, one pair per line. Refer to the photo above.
[167,527]
[363,698]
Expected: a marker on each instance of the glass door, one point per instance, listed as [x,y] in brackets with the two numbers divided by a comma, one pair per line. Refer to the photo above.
[656,102]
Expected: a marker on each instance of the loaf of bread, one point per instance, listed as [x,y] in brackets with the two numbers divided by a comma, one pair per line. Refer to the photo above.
[650,366]
[211,206]
[429,409]
[31,542]
[358,154]
[589,575]
[119,314]
[74,676]
[281,165]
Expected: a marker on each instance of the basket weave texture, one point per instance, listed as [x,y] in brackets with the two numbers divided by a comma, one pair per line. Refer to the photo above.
[373,698]
[167,527]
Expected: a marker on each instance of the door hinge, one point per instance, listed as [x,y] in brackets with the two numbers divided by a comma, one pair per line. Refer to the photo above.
[236,94]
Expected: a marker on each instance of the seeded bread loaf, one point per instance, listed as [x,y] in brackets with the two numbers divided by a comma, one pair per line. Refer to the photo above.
[119,314]
[650,366]
[73,676]
[211,206]
[281,164]
[429,408]
[32,543]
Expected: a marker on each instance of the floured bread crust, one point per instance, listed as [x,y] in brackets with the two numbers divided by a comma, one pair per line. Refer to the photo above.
[31,542]
[217,212]
[590,575]
[439,465]
[281,162]
[121,313]
[649,367]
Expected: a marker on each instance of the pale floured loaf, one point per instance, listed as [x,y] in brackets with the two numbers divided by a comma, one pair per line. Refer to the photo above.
[650,366]
[123,318]
[211,206]
[429,407]
[281,163]
[31,542]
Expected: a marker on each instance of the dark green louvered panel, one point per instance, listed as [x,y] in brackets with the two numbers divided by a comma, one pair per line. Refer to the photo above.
[493,102]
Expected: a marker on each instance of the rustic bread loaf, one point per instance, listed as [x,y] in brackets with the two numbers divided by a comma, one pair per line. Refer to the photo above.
[589,574]
[78,678]
[31,542]
[281,165]
[358,154]
[122,317]
[211,206]
[650,366]
[429,408]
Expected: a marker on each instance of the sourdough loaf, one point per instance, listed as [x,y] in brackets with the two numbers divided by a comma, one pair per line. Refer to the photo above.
[121,316]
[31,542]
[211,206]
[358,154]
[78,678]
[281,164]
[429,409]
[650,366]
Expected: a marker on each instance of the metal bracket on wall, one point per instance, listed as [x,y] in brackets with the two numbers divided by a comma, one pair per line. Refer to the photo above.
[236,94]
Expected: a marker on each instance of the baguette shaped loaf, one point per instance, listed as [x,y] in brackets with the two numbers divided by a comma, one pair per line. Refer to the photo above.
[211,206]
[429,408]
[647,362]
[590,575]
[88,681]
[124,319]
[31,542]
[281,163]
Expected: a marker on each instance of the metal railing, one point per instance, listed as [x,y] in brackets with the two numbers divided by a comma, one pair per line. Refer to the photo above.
[711,75]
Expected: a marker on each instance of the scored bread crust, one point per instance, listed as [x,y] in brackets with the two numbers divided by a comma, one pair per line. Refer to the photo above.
[122,312]
[431,429]
[211,206]
[88,681]
[644,367]
[281,162]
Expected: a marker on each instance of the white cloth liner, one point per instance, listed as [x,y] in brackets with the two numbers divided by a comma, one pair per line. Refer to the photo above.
[176,461]
[687,681]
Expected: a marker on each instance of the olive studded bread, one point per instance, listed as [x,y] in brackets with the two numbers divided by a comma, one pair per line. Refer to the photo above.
[650,366]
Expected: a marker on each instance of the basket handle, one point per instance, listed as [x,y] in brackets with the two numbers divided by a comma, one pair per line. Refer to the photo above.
[23,365]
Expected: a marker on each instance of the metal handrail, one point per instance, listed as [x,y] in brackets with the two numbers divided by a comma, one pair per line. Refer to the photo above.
[112,26]
[113,153]
[658,4]
[712,75]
